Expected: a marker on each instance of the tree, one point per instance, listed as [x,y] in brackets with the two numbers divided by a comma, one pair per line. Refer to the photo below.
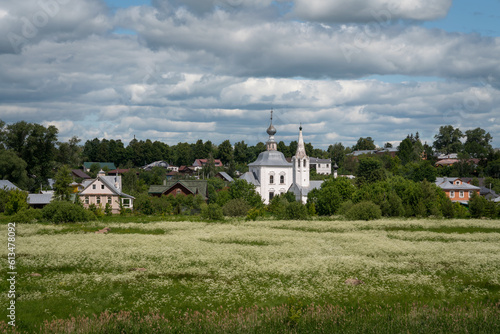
[477,144]
[225,152]
[369,170]
[242,189]
[240,152]
[13,168]
[35,144]
[364,144]
[284,149]
[410,149]
[448,140]
[62,191]
[333,192]
[337,153]
[70,153]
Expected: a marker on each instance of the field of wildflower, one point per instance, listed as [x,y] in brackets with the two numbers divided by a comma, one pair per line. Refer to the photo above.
[263,276]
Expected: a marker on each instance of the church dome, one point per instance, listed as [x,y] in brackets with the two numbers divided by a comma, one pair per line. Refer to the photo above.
[271,158]
[271,130]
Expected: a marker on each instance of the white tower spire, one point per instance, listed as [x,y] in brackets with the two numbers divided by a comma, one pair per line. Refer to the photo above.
[301,163]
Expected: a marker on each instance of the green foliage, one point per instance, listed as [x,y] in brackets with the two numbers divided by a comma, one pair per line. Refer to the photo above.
[236,207]
[477,144]
[329,197]
[448,140]
[242,189]
[13,168]
[66,212]
[365,210]
[369,170]
[296,211]
[62,191]
[27,215]
[212,212]
[460,211]
[96,210]
[4,198]
[17,200]
[108,210]
[477,205]
[392,205]
[364,144]
[254,213]
[277,206]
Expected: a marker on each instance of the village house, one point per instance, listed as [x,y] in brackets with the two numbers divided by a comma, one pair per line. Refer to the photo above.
[105,190]
[200,163]
[321,166]
[180,188]
[456,189]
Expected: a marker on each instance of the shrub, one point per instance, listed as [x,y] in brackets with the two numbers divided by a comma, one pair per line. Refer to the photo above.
[253,214]
[346,206]
[66,212]
[236,207]
[108,210]
[366,210]
[212,212]
[278,206]
[27,215]
[16,201]
[296,210]
[460,211]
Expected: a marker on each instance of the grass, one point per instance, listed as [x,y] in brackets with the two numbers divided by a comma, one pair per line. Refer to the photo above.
[263,276]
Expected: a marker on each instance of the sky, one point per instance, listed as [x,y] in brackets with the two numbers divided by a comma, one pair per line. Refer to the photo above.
[183,70]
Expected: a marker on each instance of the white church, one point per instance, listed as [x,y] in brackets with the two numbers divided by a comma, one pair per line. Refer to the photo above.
[273,175]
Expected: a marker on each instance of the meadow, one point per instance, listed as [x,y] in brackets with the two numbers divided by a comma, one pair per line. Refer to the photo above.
[264,276]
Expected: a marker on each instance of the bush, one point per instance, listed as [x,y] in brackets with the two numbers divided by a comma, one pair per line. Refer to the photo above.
[212,212]
[346,206]
[27,215]
[236,208]
[460,211]
[297,211]
[253,214]
[16,201]
[278,206]
[366,210]
[66,212]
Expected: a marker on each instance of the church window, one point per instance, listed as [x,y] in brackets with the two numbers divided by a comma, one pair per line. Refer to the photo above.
[282,179]
[271,195]
[271,179]
[304,162]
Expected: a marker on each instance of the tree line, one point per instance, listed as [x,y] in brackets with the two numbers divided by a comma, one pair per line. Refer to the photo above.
[30,153]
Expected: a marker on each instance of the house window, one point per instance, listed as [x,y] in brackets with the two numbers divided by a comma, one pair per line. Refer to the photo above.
[452,194]
[98,200]
[470,194]
[178,191]
[93,186]
[86,200]
[457,183]
[126,202]
[461,194]
[327,165]
[109,200]
[271,179]
[282,179]
[271,195]
[102,186]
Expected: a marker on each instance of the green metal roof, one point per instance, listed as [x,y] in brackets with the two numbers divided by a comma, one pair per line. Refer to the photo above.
[194,186]
[110,165]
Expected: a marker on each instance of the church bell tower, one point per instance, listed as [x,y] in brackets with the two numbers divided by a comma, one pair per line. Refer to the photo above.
[301,163]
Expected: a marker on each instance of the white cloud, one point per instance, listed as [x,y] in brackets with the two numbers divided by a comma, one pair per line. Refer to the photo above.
[371,10]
